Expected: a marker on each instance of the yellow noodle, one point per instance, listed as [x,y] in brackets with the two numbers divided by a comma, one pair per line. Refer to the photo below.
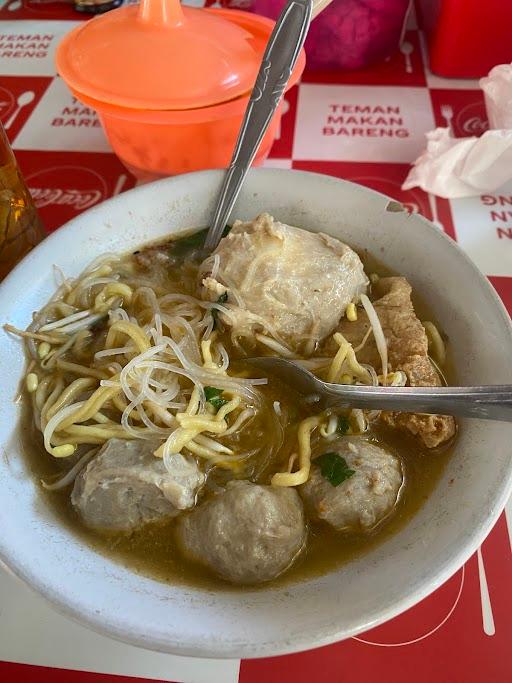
[129,329]
[351,357]
[178,440]
[192,425]
[304,439]
[228,408]
[193,404]
[103,419]
[337,363]
[78,440]
[108,294]
[108,431]
[199,423]
[90,408]
[291,461]
[70,393]
[207,355]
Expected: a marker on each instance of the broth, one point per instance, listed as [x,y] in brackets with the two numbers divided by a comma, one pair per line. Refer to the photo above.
[152,551]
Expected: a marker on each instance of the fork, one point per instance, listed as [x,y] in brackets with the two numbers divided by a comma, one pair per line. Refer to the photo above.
[447,114]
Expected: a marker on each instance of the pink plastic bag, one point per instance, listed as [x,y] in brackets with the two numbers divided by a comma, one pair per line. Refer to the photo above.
[349,34]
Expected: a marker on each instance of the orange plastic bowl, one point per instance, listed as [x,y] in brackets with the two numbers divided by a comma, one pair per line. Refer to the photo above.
[157,143]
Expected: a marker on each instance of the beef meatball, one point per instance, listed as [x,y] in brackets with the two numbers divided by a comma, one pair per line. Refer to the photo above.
[363,500]
[246,534]
[284,281]
[125,486]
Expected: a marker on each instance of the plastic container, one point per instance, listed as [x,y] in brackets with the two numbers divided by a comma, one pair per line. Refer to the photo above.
[348,34]
[170,84]
[155,144]
[467,37]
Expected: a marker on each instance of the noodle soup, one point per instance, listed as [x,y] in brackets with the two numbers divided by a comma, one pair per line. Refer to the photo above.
[159,443]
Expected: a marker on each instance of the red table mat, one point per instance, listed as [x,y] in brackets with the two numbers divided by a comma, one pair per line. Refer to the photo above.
[365,126]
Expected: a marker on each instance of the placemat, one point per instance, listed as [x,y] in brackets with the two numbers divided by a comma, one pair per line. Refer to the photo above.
[365,126]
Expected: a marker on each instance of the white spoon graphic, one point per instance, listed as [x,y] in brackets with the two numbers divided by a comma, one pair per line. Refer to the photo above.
[407,49]
[13,6]
[24,99]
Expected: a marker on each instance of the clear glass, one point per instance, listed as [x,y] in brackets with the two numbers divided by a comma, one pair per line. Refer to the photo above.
[20,226]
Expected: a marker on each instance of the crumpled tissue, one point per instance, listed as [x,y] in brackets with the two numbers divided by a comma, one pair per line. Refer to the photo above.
[466,167]
[462,167]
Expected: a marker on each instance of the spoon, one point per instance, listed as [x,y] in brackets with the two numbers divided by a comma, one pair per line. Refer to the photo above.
[25,98]
[407,49]
[281,54]
[484,402]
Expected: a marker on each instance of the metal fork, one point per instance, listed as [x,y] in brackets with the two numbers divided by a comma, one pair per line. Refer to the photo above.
[484,402]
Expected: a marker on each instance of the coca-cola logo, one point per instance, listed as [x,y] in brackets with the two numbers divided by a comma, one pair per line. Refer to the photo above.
[423,621]
[411,207]
[61,192]
[78,199]
[6,103]
[472,119]
[475,126]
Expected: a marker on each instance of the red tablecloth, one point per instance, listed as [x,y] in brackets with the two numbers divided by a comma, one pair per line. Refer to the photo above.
[367,127]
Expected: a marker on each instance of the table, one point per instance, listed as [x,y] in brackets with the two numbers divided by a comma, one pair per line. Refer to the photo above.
[366,127]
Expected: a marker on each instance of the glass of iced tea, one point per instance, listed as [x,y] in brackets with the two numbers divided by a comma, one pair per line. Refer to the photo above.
[20,226]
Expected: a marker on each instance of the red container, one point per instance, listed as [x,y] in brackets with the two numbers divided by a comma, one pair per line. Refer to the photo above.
[467,37]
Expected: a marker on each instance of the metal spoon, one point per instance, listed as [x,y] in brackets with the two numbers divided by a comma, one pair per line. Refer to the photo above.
[282,51]
[483,402]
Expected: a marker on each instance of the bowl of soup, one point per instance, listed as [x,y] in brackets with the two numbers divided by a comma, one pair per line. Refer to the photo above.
[162,490]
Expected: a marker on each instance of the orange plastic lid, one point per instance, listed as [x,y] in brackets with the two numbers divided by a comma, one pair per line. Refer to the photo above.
[160,55]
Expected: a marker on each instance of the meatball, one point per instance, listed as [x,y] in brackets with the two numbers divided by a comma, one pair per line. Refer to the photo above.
[289,282]
[366,498]
[246,534]
[125,486]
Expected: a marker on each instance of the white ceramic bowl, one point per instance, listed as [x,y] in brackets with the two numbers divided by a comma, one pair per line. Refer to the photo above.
[360,595]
